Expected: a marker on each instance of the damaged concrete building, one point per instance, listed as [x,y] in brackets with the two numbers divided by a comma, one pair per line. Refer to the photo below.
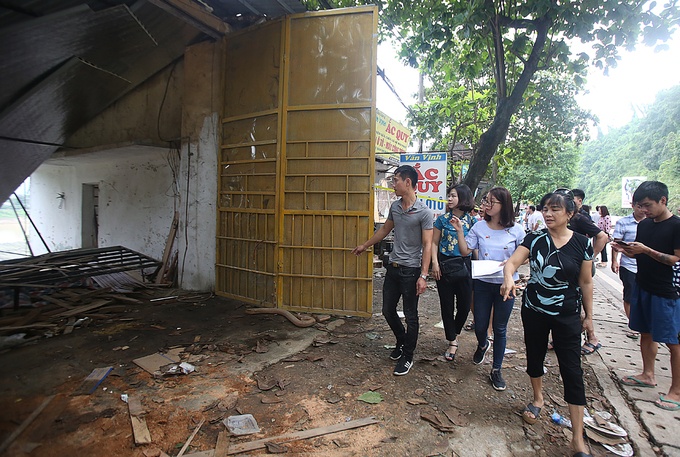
[246,124]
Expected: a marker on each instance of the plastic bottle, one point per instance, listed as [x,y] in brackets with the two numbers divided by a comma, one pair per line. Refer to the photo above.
[560,420]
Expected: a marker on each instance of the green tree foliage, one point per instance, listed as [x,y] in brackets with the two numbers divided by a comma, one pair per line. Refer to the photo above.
[647,146]
[501,45]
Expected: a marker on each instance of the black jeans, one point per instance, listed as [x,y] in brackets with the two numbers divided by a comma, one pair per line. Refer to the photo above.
[400,282]
[454,293]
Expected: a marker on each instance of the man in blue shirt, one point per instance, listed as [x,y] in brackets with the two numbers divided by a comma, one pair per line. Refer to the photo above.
[409,263]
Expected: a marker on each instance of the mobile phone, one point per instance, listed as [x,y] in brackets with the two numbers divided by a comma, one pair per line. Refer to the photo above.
[621,242]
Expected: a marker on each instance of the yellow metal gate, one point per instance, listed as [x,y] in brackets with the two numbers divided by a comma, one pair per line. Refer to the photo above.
[297,163]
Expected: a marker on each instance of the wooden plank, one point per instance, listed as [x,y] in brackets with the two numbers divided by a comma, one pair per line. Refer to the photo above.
[261,444]
[82,309]
[5,444]
[139,428]
[186,445]
[168,248]
[222,446]
[56,301]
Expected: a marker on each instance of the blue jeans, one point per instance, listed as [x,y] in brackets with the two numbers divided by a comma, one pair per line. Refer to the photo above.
[400,282]
[488,297]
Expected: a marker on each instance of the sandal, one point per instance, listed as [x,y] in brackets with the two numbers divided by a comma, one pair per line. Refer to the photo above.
[533,410]
[590,348]
[450,355]
[469,326]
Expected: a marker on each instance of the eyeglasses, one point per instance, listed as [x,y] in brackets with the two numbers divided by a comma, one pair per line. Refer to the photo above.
[489,202]
[566,192]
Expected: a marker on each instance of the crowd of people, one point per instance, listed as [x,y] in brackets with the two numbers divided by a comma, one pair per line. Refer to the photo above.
[560,242]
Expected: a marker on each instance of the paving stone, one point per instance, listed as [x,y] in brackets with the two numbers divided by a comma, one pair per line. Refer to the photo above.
[626,362]
[662,425]
[670,451]
[646,393]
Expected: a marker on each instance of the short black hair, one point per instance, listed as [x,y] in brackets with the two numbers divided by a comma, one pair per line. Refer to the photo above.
[578,193]
[532,207]
[654,190]
[466,201]
[407,172]
[559,199]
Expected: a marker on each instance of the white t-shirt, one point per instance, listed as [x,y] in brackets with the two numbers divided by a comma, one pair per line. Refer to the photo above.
[534,218]
[495,244]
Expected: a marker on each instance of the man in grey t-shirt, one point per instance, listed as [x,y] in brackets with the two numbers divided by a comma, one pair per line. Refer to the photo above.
[409,263]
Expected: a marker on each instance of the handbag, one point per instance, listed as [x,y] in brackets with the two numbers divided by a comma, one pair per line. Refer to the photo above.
[453,267]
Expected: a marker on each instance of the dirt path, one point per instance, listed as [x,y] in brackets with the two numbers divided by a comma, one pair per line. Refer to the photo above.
[317,386]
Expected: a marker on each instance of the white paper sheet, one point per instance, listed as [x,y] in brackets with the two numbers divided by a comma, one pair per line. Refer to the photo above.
[487,269]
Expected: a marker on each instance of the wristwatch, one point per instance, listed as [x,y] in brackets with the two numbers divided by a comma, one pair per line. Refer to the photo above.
[424,277]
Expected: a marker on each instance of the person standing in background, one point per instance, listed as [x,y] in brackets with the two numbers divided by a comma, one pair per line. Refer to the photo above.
[604,223]
[583,224]
[626,230]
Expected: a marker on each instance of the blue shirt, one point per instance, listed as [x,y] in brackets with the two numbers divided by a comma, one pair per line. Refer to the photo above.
[626,230]
[448,244]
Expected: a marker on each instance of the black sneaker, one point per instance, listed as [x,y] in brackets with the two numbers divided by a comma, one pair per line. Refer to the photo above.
[497,380]
[480,353]
[403,366]
[397,352]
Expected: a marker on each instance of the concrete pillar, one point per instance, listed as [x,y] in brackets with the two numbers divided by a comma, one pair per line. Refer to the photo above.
[201,106]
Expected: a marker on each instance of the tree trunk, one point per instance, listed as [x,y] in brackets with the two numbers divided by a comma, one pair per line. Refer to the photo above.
[505,108]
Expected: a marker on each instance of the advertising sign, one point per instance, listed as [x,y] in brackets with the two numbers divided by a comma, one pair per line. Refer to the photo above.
[628,186]
[431,186]
[391,138]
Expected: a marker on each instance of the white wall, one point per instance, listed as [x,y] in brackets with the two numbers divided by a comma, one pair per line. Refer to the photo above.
[136,202]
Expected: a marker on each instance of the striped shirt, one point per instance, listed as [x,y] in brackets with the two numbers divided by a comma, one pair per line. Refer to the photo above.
[626,230]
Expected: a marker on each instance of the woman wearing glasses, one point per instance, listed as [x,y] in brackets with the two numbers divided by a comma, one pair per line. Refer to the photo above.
[450,268]
[560,284]
[495,238]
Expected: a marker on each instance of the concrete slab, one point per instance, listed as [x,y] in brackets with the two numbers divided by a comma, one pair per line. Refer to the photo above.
[647,393]
[622,410]
[614,336]
[663,426]
[625,362]
[670,451]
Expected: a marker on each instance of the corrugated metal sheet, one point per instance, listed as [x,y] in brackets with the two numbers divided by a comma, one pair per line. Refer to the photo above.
[64,61]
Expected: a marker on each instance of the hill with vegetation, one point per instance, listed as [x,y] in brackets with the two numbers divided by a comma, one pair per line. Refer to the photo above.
[648,146]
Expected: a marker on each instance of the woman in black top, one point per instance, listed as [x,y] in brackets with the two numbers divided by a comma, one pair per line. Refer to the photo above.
[560,284]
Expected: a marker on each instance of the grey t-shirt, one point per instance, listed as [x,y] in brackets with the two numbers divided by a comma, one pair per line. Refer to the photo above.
[408,236]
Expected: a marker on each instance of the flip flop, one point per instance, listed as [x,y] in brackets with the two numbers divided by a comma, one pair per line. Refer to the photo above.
[635,382]
[532,409]
[662,399]
[590,348]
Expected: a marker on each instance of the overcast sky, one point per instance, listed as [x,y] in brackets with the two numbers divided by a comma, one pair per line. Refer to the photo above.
[637,79]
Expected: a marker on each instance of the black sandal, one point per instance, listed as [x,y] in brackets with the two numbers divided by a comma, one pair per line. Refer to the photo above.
[449,355]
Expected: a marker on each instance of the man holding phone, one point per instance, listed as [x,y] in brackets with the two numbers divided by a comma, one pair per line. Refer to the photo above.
[625,232]
[655,302]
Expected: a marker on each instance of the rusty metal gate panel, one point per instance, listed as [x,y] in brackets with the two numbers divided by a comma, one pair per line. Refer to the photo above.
[296,194]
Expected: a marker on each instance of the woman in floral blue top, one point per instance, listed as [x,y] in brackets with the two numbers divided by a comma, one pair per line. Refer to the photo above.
[453,287]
